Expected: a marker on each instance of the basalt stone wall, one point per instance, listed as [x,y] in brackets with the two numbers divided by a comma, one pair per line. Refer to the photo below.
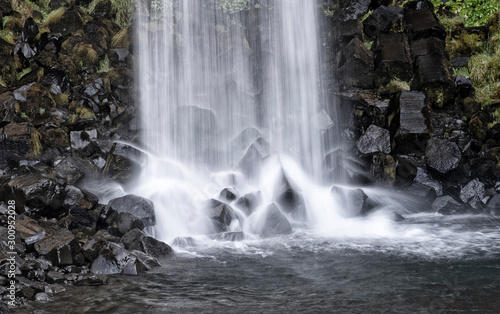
[440,144]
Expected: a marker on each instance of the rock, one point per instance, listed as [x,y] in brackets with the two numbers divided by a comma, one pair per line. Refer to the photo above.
[92,247]
[355,65]
[354,200]
[464,86]
[392,59]
[42,297]
[73,195]
[406,171]
[249,202]
[137,206]
[425,192]
[275,222]
[250,163]
[442,155]
[409,122]
[126,222]
[145,262]
[54,289]
[151,247]
[380,21]
[221,215]
[15,143]
[426,46]
[55,277]
[123,163]
[56,238]
[114,259]
[199,124]
[421,22]
[68,23]
[82,139]
[322,121]
[442,201]
[473,190]
[289,199]
[374,140]
[384,168]
[355,10]
[423,177]
[432,75]
[79,218]
[91,280]
[39,193]
[461,61]
[228,194]
[68,171]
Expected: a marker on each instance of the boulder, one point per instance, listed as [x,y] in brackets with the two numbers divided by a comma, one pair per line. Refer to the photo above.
[68,23]
[137,206]
[15,144]
[184,242]
[464,86]
[440,204]
[355,65]
[392,59]
[137,240]
[421,22]
[472,190]
[409,122]
[433,76]
[91,280]
[249,202]
[289,199]
[123,163]
[228,195]
[442,155]
[374,140]
[231,236]
[380,21]
[114,259]
[425,192]
[355,10]
[251,162]
[275,222]
[354,200]
[84,140]
[425,178]
[144,261]
[384,168]
[426,46]
[221,215]
[67,170]
[38,193]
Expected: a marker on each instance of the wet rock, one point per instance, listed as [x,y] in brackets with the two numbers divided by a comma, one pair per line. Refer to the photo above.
[442,155]
[409,121]
[426,46]
[228,194]
[374,140]
[68,23]
[406,171]
[151,247]
[355,65]
[91,280]
[137,206]
[322,121]
[473,190]
[82,139]
[354,200]
[39,193]
[67,170]
[384,168]
[421,22]
[392,59]
[423,177]
[380,21]
[73,195]
[54,289]
[55,239]
[251,162]
[114,259]
[123,163]
[221,215]
[92,247]
[425,192]
[289,199]
[275,222]
[145,262]
[355,10]
[79,218]
[28,228]
[42,297]
[199,124]
[433,76]
[249,202]
[55,277]
[126,222]
[464,86]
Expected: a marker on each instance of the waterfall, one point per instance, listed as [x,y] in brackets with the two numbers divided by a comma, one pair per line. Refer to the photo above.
[231,96]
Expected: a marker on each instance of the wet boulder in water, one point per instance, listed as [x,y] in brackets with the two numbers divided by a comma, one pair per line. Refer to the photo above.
[355,200]
[427,193]
[228,194]
[442,155]
[135,205]
[289,199]
[275,222]
[374,140]
[249,202]
[114,259]
[221,215]
[423,177]
[151,246]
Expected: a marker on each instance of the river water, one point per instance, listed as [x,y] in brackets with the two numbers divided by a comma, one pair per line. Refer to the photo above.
[438,264]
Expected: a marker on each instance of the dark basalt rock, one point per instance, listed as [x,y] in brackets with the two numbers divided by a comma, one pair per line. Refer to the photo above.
[70,22]
[231,236]
[384,168]
[228,195]
[114,259]
[425,192]
[410,123]
[30,30]
[423,177]
[355,10]
[472,190]
[289,199]
[392,59]
[221,215]
[461,61]
[374,140]
[137,206]
[426,46]
[442,155]
[275,222]
[421,22]
[249,202]
[355,65]
[380,21]
[432,75]
[137,240]
[464,86]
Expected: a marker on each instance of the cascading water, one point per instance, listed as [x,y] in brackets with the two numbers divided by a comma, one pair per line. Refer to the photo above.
[231,98]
